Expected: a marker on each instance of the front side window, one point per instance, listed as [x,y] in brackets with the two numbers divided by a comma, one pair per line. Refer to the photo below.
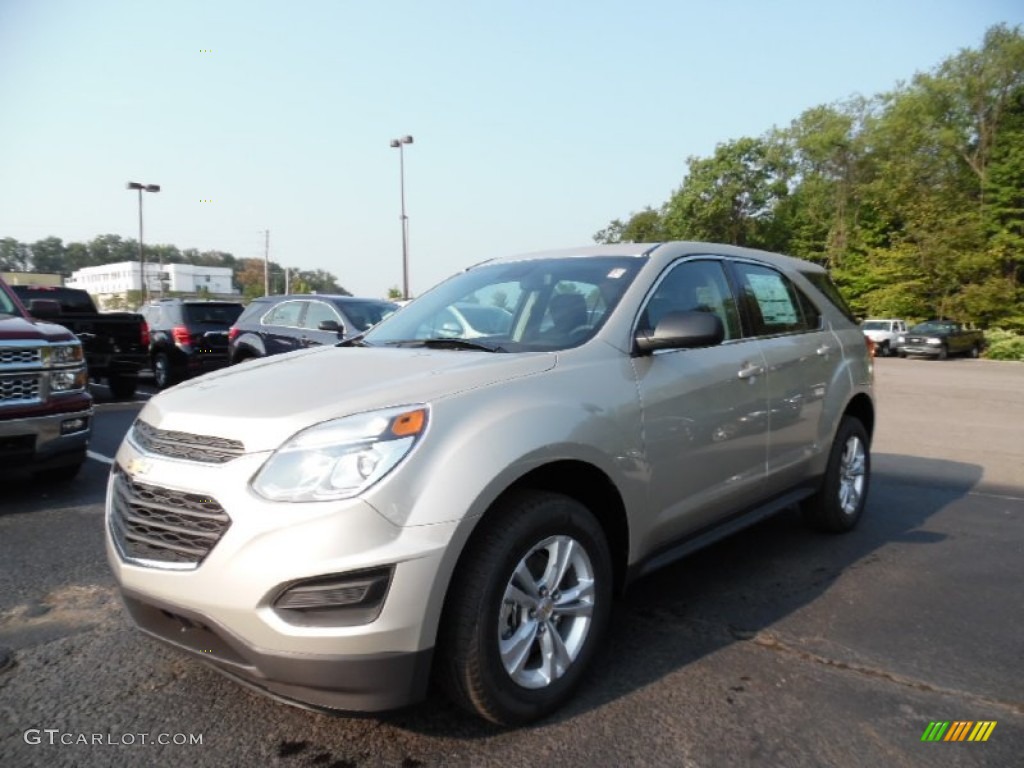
[693,286]
[318,312]
[534,305]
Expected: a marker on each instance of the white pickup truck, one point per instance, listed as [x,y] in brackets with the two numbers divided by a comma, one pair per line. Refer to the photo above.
[884,332]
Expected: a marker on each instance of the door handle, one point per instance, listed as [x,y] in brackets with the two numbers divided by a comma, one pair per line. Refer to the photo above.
[750,370]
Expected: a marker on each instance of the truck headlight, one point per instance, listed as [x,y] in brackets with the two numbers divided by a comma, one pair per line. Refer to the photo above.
[901,339]
[66,354]
[340,459]
[71,380]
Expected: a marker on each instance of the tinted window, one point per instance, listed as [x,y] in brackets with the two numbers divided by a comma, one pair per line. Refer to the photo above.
[366,314]
[286,313]
[211,314]
[693,286]
[772,302]
[823,283]
[71,301]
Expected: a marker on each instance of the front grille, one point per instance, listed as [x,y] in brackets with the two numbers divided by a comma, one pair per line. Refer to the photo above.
[182,445]
[19,389]
[164,525]
[16,356]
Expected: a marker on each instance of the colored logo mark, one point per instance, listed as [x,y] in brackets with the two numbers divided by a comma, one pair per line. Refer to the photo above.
[208,200]
[206,50]
[958,730]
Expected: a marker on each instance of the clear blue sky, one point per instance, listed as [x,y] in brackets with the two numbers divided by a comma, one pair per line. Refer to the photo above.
[535,123]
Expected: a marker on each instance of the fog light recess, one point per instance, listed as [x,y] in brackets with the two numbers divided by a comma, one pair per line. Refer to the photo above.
[338,600]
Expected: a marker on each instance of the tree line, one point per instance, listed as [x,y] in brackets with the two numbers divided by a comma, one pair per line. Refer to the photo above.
[51,255]
[913,198]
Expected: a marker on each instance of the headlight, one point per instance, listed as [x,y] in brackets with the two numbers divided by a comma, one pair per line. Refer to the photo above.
[340,459]
[934,340]
[68,381]
[901,339]
[66,354]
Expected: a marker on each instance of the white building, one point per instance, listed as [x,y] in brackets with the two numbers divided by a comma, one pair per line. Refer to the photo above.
[110,280]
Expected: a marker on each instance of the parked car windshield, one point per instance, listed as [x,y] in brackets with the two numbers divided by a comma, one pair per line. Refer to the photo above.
[366,314]
[875,325]
[532,305]
[933,326]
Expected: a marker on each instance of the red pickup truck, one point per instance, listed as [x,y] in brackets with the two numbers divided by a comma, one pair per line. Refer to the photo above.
[45,406]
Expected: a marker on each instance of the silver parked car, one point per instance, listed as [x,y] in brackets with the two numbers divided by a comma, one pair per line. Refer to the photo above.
[334,524]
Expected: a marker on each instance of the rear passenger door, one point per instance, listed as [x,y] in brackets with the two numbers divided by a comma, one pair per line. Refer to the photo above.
[800,356]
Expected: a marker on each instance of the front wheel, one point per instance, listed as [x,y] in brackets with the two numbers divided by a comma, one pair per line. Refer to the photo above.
[839,503]
[527,609]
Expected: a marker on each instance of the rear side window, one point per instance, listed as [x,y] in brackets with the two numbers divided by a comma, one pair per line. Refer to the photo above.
[285,314]
[212,314]
[773,304]
[318,312]
[824,284]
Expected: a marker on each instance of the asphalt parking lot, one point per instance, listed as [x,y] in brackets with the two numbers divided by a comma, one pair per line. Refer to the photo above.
[778,647]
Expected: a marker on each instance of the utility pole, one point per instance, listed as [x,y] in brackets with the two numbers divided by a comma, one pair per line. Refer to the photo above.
[287,280]
[266,262]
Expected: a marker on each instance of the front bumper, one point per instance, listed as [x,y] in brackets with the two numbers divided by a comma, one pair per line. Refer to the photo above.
[222,609]
[43,442]
[358,683]
[920,350]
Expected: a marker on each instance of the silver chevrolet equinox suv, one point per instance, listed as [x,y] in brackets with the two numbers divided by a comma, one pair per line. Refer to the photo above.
[338,526]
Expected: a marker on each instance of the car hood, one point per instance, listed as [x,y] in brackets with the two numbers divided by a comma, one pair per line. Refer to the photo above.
[263,403]
[15,327]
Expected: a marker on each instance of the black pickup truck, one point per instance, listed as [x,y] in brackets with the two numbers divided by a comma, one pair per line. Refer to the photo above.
[116,344]
[939,339]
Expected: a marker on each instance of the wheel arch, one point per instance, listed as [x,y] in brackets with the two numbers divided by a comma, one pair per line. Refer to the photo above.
[862,408]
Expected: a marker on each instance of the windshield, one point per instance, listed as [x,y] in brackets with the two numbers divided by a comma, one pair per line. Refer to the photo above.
[6,305]
[875,325]
[933,326]
[366,314]
[212,314]
[536,305]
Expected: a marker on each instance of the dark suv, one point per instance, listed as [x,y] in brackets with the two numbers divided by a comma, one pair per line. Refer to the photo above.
[275,324]
[188,337]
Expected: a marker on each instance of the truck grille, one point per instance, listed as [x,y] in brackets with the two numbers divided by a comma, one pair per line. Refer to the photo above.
[28,356]
[19,389]
[164,525]
[182,445]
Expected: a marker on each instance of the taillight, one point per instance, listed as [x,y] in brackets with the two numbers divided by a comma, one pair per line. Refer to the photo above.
[181,335]
[144,334]
[232,333]
[870,345]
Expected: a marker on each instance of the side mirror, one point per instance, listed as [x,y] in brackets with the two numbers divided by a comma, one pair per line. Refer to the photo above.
[44,309]
[330,325]
[682,330]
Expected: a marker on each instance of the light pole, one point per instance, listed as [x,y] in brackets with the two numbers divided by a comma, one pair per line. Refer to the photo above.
[405,219]
[144,283]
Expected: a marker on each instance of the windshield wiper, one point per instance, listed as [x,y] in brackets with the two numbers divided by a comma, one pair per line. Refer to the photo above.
[353,341]
[450,344]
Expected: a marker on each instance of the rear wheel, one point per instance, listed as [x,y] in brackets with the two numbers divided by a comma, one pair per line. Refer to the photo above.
[162,373]
[839,503]
[527,609]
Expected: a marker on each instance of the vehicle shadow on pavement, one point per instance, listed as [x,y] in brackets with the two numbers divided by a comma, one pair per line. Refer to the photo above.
[735,591]
[21,493]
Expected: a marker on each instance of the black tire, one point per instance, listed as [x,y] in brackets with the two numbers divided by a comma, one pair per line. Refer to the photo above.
[163,374]
[884,350]
[123,387]
[830,509]
[470,665]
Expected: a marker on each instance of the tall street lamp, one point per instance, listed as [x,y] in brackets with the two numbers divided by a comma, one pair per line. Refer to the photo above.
[405,219]
[144,284]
